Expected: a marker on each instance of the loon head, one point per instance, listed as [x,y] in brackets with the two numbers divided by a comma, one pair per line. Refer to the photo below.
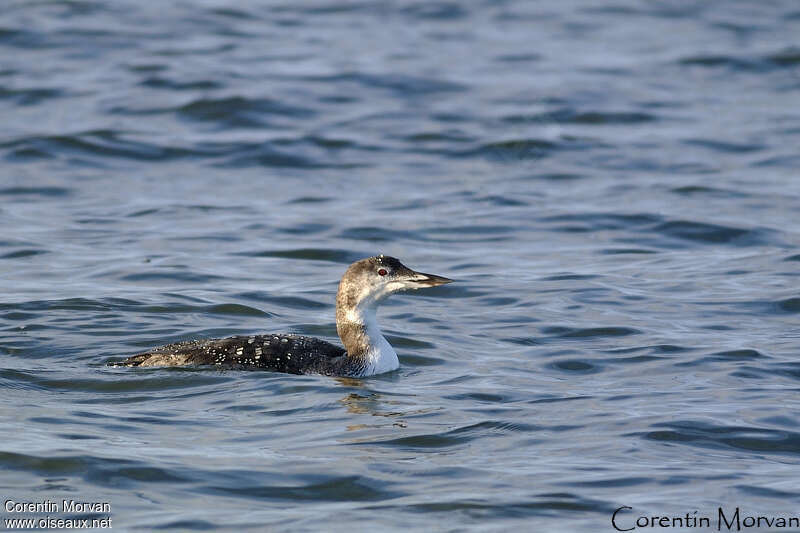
[369,281]
[364,285]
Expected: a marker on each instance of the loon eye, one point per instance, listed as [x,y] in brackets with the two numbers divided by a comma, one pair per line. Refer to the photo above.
[382,272]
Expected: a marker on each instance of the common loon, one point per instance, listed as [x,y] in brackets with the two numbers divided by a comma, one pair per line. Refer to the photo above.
[366,352]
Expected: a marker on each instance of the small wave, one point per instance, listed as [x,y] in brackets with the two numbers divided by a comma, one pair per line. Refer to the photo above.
[732,356]
[159,82]
[514,149]
[311,254]
[202,208]
[55,192]
[766,492]
[697,231]
[709,233]
[785,161]
[419,360]
[267,155]
[186,525]
[552,505]
[523,341]
[738,355]
[785,58]
[234,13]
[33,96]
[88,146]
[125,305]
[115,472]
[26,39]
[379,234]
[403,84]
[101,389]
[702,190]
[438,137]
[790,305]
[578,333]
[557,176]
[334,489]
[571,116]
[570,277]
[725,147]
[575,366]
[171,275]
[445,11]
[601,221]
[788,57]
[480,397]
[310,200]
[732,62]
[790,370]
[46,466]
[455,437]
[622,251]
[502,200]
[670,232]
[21,254]
[472,229]
[217,309]
[707,435]
[614,482]
[293,302]
[665,349]
[518,58]
[67,304]
[240,112]
[103,143]
[305,228]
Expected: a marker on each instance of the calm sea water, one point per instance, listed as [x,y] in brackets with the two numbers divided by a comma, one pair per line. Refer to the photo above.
[615,186]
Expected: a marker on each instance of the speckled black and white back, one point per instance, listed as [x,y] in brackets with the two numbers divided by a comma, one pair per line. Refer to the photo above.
[292,354]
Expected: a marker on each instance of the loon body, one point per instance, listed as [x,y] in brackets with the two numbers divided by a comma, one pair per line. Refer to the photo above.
[366,352]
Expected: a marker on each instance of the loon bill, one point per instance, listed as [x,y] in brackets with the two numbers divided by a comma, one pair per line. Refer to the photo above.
[366,352]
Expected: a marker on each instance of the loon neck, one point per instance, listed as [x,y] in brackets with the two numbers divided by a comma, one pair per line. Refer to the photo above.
[362,338]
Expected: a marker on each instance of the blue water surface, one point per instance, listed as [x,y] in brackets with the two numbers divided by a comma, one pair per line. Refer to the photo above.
[614,186]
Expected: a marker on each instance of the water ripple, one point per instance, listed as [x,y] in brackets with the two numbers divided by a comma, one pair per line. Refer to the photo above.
[572,116]
[703,434]
[335,489]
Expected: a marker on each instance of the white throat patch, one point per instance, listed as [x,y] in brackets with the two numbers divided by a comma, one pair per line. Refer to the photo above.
[381,357]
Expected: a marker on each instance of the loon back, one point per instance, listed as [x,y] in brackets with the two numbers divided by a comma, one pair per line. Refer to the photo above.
[291,354]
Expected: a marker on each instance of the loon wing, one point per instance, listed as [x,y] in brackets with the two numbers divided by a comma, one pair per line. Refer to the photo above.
[292,354]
